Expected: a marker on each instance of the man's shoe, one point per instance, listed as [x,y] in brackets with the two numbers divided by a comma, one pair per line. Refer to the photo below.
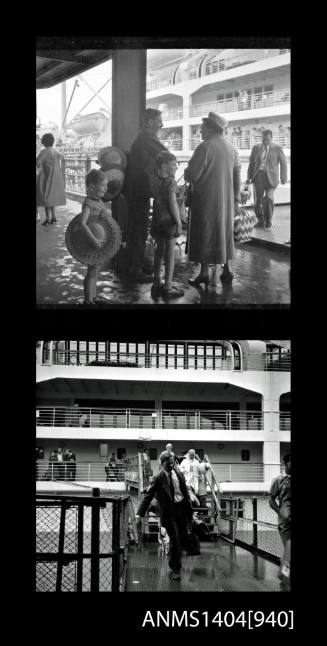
[172,292]
[138,277]
[156,290]
[176,576]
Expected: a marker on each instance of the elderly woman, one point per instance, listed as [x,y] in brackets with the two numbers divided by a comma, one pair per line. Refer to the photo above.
[50,188]
[215,173]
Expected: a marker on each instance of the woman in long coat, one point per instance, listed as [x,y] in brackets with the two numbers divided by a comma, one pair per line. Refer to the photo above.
[50,188]
[215,173]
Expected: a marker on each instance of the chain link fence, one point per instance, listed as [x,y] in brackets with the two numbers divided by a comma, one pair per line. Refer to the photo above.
[81,544]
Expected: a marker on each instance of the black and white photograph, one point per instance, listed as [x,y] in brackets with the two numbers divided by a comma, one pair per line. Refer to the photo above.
[163,238]
[163,466]
[163,175]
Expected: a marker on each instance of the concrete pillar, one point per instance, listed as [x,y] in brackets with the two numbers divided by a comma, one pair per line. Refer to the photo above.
[128,106]
[128,95]
[271,460]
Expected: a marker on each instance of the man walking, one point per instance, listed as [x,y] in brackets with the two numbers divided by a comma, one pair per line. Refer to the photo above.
[141,184]
[175,507]
[267,161]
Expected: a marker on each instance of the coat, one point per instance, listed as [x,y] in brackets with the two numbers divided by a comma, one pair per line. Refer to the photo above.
[274,159]
[215,172]
[160,489]
[50,187]
[141,181]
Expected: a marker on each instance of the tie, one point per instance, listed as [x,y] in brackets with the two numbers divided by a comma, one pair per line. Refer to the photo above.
[265,151]
[171,486]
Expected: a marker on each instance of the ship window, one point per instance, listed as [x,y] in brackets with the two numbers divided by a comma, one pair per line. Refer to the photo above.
[245,455]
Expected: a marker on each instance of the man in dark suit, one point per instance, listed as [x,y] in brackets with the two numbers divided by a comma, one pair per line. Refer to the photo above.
[169,488]
[267,160]
[140,187]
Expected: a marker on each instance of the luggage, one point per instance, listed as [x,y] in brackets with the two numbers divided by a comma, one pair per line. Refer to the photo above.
[244,225]
[193,543]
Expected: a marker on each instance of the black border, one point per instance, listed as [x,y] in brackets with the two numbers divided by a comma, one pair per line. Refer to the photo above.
[125,614]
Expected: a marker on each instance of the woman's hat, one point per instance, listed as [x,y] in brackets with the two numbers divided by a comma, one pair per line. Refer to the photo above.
[82,249]
[115,180]
[216,119]
[111,155]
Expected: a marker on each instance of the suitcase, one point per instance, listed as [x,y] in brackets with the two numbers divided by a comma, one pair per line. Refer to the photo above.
[244,225]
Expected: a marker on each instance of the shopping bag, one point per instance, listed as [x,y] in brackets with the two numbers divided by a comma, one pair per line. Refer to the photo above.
[243,225]
[193,543]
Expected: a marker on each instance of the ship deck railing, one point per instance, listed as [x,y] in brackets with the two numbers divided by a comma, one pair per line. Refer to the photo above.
[158,418]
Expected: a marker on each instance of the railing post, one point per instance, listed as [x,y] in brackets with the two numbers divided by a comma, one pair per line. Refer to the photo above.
[89,472]
[230,472]
[115,577]
[53,417]
[95,540]
[255,526]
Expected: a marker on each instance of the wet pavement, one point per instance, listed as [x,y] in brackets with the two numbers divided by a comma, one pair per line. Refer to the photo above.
[221,567]
[261,276]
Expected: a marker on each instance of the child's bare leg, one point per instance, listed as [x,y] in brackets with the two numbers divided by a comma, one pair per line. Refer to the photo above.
[169,262]
[158,260]
[89,283]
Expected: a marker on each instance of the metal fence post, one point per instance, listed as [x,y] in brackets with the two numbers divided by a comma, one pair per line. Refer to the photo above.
[254,525]
[95,540]
[115,578]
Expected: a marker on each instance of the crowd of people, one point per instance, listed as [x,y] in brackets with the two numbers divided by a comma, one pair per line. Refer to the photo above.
[213,197]
[61,465]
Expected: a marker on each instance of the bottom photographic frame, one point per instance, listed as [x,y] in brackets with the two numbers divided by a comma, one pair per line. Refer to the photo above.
[106,411]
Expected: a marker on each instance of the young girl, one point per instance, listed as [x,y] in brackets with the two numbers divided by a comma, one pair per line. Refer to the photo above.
[166,226]
[96,186]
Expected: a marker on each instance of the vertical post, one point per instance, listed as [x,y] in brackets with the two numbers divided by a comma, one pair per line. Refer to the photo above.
[89,472]
[61,544]
[87,164]
[255,526]
[80,523]
[140,474]
[115,577]
[95,540]
[63,169]
[53,417]
[230,472]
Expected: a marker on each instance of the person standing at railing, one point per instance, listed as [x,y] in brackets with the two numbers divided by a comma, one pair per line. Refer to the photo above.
[70,465]
[280,490]
[50,188]
[215,172]
[267,162]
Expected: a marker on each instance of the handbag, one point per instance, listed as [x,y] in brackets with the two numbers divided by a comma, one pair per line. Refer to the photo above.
[243,225]
[193,543]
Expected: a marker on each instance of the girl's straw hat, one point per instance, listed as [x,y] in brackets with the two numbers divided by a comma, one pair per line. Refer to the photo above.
[82,249]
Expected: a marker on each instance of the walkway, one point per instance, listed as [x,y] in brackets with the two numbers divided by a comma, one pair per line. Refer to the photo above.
[221,567]
[261,275]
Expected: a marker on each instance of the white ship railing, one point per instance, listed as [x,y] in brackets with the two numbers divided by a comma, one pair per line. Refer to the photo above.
[86,417]
[243,102]
[220,65]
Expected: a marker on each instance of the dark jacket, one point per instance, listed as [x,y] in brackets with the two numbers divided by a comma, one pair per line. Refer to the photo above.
[141,180]
[275,157]
[160,489]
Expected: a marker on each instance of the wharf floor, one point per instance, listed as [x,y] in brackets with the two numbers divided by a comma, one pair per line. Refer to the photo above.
[261,272]
[221,567]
